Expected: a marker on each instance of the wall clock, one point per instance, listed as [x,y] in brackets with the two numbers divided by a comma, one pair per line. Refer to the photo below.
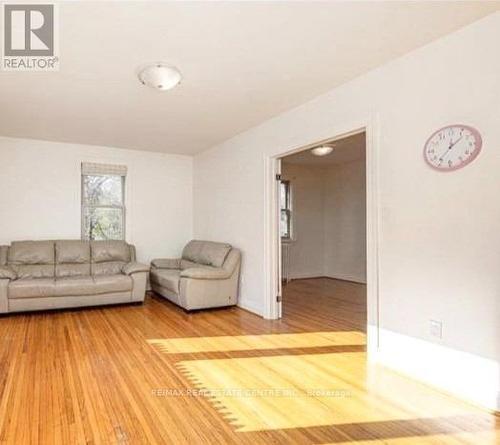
[452,147]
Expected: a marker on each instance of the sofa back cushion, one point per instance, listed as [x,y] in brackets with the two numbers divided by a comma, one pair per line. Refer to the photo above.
[4,250]
[32,259]
[72,258]
[206,252]
[109,257]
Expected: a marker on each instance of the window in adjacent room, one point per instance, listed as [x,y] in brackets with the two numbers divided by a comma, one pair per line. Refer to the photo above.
[286,210]
[103,201]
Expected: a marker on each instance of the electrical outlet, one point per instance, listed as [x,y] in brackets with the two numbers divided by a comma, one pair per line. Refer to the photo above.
[436,328]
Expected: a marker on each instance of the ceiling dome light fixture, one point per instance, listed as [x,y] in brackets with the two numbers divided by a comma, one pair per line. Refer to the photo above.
[323,150]
[159,76]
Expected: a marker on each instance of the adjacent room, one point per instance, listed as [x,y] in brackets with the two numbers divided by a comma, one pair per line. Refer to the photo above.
[250,222]
[323,230]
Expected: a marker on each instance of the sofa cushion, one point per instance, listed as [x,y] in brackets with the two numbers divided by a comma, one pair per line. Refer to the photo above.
[134,267]
[72,270]
[108,268]
[32,288]
[206,252]
[167,278]
[33,270]
[4,250]
[214,254]
[192,250]
[76,286]
[72,252]
[32,259]
[31,252]
[7,273]
[113,283]
[69,286]
[104,251]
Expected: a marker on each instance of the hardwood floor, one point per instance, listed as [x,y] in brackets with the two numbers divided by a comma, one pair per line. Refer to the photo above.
[129,375]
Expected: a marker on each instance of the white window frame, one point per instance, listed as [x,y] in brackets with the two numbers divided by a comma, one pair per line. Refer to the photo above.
[122,207]
[289,211]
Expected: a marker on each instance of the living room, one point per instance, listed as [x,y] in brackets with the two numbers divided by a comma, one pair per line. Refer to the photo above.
[140,278]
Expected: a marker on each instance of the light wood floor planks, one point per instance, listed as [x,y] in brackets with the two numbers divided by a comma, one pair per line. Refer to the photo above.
[95,376]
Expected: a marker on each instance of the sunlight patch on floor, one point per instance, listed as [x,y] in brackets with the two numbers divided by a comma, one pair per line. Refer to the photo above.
[474,438]
[297,391]
[256,342]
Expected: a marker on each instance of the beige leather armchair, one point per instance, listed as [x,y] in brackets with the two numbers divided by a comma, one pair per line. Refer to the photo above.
[37,275]
[206,276]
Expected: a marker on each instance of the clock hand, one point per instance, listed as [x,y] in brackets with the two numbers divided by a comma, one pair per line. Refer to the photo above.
[452,144]
[455,143]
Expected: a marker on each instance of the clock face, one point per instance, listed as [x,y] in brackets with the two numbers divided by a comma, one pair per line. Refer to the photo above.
[452,147]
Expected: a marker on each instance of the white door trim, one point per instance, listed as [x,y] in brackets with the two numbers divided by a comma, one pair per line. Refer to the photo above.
[271,270]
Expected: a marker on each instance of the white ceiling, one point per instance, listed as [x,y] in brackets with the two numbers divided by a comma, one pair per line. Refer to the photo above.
[243,62]
[351,148]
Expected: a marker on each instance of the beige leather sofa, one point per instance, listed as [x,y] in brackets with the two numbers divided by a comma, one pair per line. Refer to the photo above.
[206,276]
[38,275]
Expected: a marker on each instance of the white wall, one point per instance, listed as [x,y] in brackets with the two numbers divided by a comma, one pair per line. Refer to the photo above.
[40,194]
[329,220]
[306,249]
[344,237]
[439,247]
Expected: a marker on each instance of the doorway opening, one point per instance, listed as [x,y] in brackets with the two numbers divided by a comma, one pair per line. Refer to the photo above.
[273,270]
[322,223]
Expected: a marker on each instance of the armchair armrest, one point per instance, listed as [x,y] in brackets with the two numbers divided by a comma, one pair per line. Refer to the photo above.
[204,273]
[166,263]
[7,273]
[131,268]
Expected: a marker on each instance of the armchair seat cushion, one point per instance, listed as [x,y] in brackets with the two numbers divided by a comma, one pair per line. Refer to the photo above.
[166,263]
[167,278]
[206,273]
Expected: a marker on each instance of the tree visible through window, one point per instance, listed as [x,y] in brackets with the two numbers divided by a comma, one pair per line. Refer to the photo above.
[286,210]
[103,209]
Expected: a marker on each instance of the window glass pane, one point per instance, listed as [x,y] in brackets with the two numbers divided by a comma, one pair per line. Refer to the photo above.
[283,195]
[284,224]
[102,190]
[102,223]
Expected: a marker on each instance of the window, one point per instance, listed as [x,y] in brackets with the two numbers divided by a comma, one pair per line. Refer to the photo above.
[286,210]
[103,202]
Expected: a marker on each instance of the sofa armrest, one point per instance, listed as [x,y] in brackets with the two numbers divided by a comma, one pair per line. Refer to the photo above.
[4,301]
[204,273]
[7,273]
[139,274]
[166,263]
[131,268]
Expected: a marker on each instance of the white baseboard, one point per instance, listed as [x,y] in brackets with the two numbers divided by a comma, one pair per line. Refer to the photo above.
[304,276]
[249,307]
[344,277]
[465,375]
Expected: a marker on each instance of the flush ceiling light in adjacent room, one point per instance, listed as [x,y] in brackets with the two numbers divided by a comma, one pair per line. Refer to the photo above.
[159,76]
[323,150]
